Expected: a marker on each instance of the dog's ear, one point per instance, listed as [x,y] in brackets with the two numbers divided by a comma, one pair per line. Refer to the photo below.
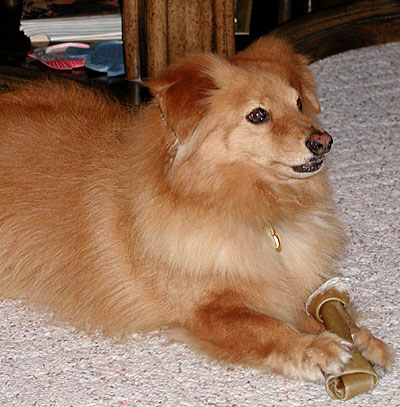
[277,53]
[182,96]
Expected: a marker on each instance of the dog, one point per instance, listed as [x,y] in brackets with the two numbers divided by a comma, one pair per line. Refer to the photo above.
[208,211]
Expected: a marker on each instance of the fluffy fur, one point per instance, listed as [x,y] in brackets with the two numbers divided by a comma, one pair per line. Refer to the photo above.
[127,222]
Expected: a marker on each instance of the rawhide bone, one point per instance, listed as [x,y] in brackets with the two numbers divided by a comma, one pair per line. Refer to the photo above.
[328,304]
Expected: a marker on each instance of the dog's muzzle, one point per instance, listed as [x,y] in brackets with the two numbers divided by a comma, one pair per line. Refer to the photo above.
[319,144]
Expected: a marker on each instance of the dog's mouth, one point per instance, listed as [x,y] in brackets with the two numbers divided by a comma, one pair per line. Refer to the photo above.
[312,165]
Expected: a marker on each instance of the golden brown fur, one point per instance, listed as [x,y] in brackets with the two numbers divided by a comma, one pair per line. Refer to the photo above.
[126,223]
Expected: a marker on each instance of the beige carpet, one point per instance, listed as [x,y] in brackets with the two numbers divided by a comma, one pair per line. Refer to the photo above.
[46,365]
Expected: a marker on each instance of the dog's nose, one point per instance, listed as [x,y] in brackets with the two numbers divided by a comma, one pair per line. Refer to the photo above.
[319,143]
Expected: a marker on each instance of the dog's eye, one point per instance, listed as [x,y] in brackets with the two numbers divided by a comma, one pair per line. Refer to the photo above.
[300,103]
[257,115]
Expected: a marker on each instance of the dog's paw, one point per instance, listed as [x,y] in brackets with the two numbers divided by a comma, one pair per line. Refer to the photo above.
[373,349]
[325,354]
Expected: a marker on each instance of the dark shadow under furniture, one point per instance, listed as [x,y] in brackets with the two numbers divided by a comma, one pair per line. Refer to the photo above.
[318,28]
[348,26]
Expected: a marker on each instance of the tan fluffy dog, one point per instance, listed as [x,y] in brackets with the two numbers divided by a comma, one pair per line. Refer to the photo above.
[208,211]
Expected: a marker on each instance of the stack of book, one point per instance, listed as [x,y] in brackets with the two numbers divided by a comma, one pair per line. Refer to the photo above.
[78,29]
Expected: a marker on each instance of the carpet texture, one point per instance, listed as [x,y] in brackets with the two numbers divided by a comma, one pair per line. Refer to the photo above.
[47,365]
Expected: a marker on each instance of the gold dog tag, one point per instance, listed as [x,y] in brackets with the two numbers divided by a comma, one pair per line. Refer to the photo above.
[274,238]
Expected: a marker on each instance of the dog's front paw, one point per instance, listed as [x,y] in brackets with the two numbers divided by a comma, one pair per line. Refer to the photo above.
[373,349]
[325,354]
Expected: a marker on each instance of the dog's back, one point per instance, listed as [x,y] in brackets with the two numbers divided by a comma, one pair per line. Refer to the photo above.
[63,214]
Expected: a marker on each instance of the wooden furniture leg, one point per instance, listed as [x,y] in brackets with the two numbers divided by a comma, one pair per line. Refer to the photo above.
[159,32]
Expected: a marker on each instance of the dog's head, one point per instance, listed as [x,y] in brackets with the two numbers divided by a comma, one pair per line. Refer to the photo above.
[256,109]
